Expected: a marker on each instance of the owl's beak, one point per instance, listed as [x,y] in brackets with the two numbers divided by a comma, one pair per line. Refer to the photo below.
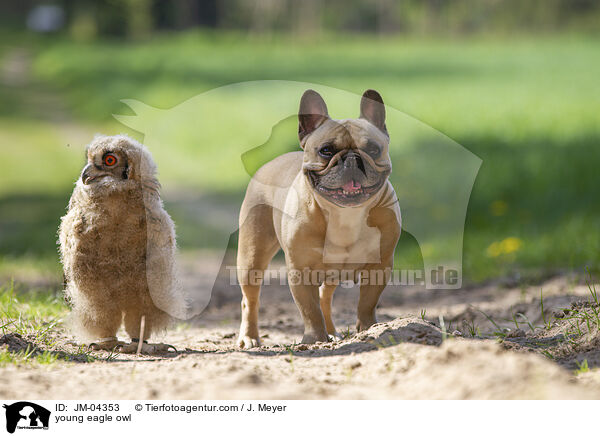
[86,175]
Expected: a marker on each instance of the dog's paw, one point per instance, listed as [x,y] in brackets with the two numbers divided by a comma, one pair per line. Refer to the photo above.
[361,326]
[334,337]
[246,342]
[312,338]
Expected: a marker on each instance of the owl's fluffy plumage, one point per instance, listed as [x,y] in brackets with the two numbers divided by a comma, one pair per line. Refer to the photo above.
[117,243]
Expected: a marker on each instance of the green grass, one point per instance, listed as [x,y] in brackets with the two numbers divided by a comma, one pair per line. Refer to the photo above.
[582,367]
[35,308]
[536,85]
[529,107]
[34,313]
[33,317]
[27,357]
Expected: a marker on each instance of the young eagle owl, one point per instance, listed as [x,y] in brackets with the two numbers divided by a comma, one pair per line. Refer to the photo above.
[117,246]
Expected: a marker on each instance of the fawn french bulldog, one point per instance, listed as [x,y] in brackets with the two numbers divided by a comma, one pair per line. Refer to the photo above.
[332,210]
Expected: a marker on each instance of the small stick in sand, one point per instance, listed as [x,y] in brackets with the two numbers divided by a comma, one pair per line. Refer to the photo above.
[142,325]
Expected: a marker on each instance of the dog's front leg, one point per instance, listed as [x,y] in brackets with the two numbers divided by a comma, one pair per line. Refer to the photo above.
[370,290]
[307,300]
[326,296]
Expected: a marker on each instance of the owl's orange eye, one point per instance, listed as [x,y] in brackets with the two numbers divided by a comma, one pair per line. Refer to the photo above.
[110,160]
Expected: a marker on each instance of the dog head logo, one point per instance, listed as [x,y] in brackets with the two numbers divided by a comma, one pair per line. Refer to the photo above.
[227,133]
[26,415]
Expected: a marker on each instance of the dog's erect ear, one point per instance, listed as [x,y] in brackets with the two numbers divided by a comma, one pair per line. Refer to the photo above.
[312,113]
[372,109]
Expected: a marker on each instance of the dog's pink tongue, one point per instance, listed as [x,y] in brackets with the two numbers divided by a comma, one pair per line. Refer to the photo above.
[352,186]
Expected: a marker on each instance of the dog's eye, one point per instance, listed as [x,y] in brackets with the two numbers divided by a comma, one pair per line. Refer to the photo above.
[327,150]
[373,149]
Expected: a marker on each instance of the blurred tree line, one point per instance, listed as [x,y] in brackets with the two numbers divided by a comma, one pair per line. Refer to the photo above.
[137,19]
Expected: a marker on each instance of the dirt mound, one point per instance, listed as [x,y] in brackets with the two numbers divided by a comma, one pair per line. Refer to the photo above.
[570,337]
[14,342]
[381,335]
[26,346]
[410,329]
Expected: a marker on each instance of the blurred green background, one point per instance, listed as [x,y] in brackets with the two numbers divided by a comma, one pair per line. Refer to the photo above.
[515,82]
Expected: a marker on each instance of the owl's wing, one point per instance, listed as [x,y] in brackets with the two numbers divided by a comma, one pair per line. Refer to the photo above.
[161,270]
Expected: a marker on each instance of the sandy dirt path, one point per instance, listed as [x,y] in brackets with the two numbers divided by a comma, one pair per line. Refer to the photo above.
[406,355]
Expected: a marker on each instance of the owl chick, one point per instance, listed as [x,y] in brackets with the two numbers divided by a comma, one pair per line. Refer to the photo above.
[117,246]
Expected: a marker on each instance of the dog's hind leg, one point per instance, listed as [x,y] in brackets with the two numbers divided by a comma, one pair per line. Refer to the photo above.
[256,247]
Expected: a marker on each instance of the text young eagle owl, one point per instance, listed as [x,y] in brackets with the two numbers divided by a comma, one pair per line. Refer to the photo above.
[118,246]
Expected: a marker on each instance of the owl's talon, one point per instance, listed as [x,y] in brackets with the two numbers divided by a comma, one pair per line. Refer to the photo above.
[105,344]
[147,348]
